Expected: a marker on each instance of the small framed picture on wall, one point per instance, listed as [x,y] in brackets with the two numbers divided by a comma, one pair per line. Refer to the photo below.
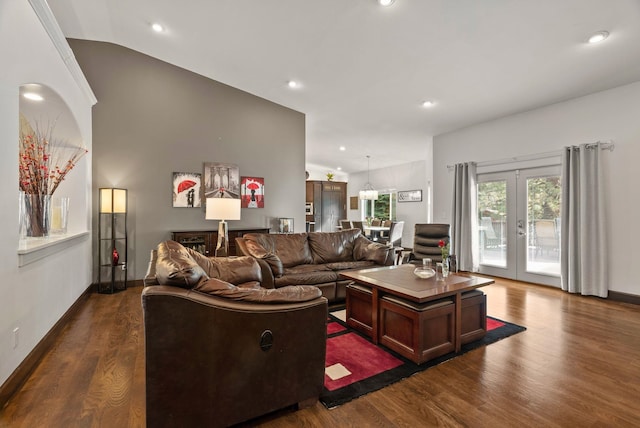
[410,196]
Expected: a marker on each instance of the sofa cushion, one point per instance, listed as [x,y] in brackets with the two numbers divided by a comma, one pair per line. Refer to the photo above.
[361,264]
[333,247]
[303,276]
[175,266]
[217,287]
[292,249]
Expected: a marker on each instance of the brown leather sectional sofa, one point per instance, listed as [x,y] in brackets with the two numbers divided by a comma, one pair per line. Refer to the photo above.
[219,348]
[314,258]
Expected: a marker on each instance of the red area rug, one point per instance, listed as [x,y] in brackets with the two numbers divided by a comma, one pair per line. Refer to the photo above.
[355,366]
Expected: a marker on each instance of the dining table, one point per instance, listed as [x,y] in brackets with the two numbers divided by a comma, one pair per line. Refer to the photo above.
[374,232]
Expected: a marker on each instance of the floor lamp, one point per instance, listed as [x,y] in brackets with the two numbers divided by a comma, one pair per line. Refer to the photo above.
[222,209]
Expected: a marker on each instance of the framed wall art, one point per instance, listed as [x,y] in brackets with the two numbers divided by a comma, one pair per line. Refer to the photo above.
[410,196]
[252,192]
[353,202]
[221,180]
[187,189]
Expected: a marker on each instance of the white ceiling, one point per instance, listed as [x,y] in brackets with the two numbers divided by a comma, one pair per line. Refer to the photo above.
[365,70]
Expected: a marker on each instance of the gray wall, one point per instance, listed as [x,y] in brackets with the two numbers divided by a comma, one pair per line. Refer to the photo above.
[153,119]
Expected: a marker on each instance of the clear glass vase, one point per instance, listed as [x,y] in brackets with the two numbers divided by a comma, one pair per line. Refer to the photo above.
[35,215]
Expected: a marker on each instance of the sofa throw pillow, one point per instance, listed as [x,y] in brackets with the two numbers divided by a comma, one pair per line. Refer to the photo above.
[298,293]
[175,266]
[365,249]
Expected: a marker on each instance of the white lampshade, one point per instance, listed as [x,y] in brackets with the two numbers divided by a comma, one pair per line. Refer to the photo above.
[222,209]
[113,200]
[368,195]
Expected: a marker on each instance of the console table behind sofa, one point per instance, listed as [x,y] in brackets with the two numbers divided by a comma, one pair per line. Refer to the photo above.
[204,241]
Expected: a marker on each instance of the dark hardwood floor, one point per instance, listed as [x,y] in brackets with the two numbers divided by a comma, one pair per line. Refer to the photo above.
[577,365]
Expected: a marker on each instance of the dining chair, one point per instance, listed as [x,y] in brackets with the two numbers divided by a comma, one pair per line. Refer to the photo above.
[346,224]
[394,238]
[358,225]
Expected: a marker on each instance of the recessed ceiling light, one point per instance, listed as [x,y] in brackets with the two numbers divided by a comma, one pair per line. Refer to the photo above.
[339,168]
[32,96]
[428,104]
[157,28]
[292,84]
[598,37]
[385,2]
[343,148]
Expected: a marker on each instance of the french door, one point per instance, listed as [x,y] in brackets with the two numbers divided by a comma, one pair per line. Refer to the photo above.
[519,224]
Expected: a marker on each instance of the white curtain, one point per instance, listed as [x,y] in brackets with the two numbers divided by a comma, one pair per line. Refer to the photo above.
[583,260]
[464,217]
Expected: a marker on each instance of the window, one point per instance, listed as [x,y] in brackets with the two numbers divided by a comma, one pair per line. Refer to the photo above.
[384,208]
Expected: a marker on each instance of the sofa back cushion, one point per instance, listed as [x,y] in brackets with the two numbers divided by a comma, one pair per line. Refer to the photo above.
[334,246]
[290,249]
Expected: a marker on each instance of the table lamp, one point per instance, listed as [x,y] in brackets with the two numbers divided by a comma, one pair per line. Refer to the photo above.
[222,209]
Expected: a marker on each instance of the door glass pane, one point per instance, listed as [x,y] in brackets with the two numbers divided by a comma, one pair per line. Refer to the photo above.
[543,222]
[492,222]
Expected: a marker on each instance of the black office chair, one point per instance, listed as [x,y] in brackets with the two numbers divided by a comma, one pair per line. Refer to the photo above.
[425,241]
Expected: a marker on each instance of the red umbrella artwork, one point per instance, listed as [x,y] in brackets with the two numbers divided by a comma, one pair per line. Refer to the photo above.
[252,192]
[185,184]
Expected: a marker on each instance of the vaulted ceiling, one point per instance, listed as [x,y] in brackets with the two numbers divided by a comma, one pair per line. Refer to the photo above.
[365,70]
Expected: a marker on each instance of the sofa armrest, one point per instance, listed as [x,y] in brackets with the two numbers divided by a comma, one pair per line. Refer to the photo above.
[268,280]
[211,361]
[268,275]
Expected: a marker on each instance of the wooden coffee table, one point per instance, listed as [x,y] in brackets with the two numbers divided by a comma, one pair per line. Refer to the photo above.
[387,302]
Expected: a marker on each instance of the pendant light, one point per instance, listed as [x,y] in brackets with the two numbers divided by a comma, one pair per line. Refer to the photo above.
[368,193]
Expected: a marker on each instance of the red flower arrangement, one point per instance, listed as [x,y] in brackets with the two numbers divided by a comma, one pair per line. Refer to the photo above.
[43,161]
[444,248]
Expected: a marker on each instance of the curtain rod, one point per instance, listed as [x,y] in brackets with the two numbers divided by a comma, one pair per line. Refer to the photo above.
[606,145]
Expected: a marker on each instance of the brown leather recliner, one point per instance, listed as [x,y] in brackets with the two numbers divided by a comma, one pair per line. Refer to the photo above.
[218,353]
